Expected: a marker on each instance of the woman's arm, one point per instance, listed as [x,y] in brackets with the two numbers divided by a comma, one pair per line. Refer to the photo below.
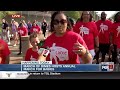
[82,52]
[96,43]
[87,57]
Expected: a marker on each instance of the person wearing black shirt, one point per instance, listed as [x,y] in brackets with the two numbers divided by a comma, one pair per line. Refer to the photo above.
[44,26]
[5,31]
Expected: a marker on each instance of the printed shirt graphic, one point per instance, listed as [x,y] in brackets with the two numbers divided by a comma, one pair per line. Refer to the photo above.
[61,48]
[32,58]
[88,31]
[35,29]
[83,30]
[31,55]
[23,31]
[103,28]
[104,31]
[116,34]
[58,52]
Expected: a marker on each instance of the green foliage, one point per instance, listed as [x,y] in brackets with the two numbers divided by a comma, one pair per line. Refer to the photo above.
[9,12]
[4,13]
[73,14]
[1,14]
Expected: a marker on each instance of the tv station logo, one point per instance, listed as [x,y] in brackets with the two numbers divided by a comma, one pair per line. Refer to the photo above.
[107,66]
[16,16]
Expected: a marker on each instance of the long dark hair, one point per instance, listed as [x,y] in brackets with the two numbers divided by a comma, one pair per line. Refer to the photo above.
[116,17]
[71,21]
[81,19]
[52,19]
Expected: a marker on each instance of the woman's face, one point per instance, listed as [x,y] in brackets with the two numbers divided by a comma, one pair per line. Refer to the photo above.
[60,24]
[22,25]
[34,42]
[3,20]
[34,24]
[14,22]
[86,15]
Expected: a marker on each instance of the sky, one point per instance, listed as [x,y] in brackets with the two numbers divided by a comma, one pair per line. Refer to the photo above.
[109,13]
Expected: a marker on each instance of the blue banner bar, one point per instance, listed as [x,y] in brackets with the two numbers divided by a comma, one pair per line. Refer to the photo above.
[10,67]
[51,67]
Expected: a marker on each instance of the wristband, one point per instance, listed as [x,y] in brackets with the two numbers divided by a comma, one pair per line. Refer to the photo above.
[96,47]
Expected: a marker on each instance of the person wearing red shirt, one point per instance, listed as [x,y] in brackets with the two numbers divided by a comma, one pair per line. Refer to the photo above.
[35,29]
[32,53]
[103,26]
[115,38]
[4,52]
[22,31]
[86,28]
[66,46]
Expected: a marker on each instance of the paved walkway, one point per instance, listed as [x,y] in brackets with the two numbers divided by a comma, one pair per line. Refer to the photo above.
[14,58]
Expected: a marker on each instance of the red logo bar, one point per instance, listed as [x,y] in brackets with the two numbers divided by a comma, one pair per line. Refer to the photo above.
[16,16]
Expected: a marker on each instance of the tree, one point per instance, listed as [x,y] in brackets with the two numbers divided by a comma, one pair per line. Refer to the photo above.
[4,13]
[73,14]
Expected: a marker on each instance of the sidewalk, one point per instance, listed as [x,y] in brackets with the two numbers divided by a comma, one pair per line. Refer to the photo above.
[14,58]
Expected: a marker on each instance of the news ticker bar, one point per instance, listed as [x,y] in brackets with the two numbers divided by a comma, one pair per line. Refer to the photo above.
[58,75]
[49,67]
[54,67]
[59,68]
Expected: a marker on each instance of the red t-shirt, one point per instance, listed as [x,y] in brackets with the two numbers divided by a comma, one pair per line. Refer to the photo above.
[4,51]
[104,31]
[31,55]
[35,29]
[115,29]
[88,31]
[61,48]
[23,31]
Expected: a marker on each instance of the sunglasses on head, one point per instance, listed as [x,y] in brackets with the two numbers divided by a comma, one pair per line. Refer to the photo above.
[62,21]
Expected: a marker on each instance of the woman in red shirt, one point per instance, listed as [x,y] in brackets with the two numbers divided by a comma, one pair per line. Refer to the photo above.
[22,31]
[35,29]
[115,38]
[86,28]
[65,45]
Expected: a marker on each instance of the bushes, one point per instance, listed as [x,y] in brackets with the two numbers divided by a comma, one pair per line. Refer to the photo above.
[73,14]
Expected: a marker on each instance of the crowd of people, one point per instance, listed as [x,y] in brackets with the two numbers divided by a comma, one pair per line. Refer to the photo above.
[14,31]
[82,42]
